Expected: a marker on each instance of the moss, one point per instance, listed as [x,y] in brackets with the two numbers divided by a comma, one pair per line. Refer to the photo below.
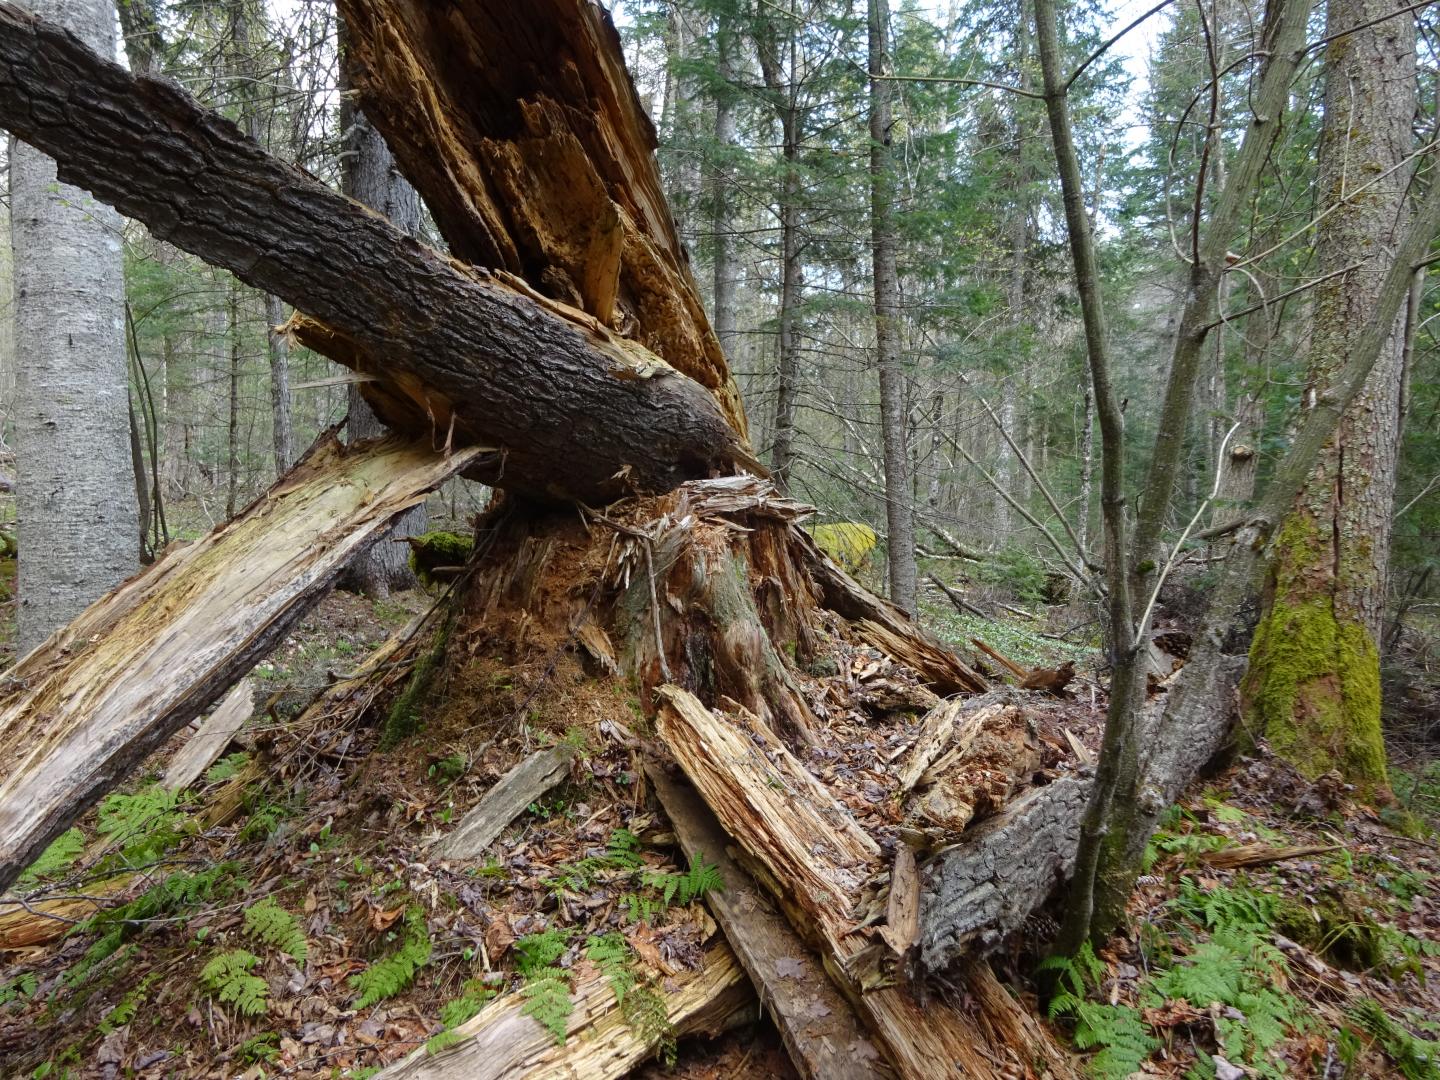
[435,549]
[403,719]
[1347,939]
[1313,686]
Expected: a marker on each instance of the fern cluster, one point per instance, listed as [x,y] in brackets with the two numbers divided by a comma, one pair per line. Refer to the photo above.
[388,976]
[55,860]
[268,922]
[1118,1034]
[685,888]
[21,987]
[143,825]
[180,891]
[228,978]
[643,1009]
[227,768]
[1417,1059]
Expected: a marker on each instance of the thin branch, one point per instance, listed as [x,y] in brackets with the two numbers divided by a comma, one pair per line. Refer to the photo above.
[1227,316]
[956,81]
[1105,47]
[1368,23]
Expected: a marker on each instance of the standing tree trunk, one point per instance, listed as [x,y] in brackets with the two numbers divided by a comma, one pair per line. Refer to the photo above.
[899,499]
[368,175]
[1314,681]
[727,265]
[784,92]
[78,517]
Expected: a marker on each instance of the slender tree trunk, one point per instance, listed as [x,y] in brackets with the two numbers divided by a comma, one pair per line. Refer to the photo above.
[75,496]
[232,428]
[787,368]
[368,174]
[899,499]
[727,265]
[1314,681]
[1087,469]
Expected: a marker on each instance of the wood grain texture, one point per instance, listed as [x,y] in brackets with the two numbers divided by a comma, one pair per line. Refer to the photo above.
[210,739]
[824,1038]
[503,1043]
[510,795]
[91,702]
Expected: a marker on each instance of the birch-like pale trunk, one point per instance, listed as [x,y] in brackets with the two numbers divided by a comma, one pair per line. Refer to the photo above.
[78,517]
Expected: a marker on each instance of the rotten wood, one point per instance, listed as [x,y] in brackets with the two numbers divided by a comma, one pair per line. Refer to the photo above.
[92,701]
[568,407]
[1232,858]
[210,739]
[511,794]
[804,847]
[537,158]
[1001,659]
[503,1043]
[820,1030]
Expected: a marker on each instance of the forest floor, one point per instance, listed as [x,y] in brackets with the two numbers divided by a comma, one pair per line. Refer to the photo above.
[1281,929]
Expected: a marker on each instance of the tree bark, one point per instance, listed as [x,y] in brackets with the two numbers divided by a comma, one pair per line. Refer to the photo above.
[368,174]
[76,506]
[899,498]
[1313,686]
[571,408]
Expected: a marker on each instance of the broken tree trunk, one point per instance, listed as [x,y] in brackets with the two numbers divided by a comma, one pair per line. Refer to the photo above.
[78,713]
[503,1042]
[210,738]
[817,1024]
[568,407]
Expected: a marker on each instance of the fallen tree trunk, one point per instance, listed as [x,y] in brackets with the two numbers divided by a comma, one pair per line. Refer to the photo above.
[88,705]
[504,1043]
[568,407]
[819,1028]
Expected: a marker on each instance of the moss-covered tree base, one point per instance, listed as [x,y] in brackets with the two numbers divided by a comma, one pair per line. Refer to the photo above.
[1313,686]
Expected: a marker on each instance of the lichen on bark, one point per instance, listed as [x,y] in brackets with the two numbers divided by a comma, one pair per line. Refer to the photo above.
[1313,686]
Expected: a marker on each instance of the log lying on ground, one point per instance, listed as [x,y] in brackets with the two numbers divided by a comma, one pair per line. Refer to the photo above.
[210,739]
[820,1030]
[535,155]
[511,794]
[504,1043]
[571,408]
[88,705]
[804,847]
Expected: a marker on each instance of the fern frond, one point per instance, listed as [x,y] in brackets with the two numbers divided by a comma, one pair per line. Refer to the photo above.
[227,977]
[55,859]
[536,952]
[547,1001]
[276,927]
[387,977]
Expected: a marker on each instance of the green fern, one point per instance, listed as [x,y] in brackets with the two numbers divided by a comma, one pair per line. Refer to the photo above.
[229,980]
[474,996]
[21,987]
[260,1049]
[144,825]
[126,1008]
[643,1009]
[227,768]
[623,851]
[1417,1059]
[1117,1033]
[539,952]
[59,857]
[442,1041]
[685,888]
[276,927]
[387,977]
[547,1001]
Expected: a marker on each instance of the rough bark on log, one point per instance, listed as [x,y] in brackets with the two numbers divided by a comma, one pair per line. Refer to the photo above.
[820,1031]
[511,794]
[569,407]
[536,157]
[503,1043]
[211,738]
[88,705]
[984,888]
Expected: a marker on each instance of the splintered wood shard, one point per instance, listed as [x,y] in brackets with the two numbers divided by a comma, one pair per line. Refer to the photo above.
[87,706]
[573,409]
[803,846]
[505,1043]
[511,794]
[819,1028]
[210,739]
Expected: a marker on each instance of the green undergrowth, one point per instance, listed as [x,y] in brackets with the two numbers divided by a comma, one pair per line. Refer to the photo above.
[391,974]
[1021,640]
[1215,981]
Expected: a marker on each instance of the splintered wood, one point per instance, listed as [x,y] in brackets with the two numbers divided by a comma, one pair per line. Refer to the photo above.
[803,846]
[88,705]
[504,1043]
[514,791]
